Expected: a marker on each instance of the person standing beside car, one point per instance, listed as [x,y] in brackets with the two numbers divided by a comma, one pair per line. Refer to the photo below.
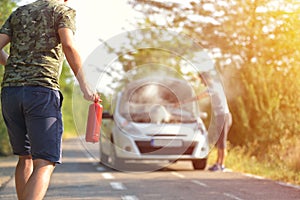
[221,119]
[40,35]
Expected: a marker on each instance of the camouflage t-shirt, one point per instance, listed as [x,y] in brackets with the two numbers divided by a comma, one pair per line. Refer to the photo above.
[36,54]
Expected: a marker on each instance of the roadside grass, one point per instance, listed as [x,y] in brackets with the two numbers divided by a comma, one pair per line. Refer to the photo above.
[239,161]
[69,134]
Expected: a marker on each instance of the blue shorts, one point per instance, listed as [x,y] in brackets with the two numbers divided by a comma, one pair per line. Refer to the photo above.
[34,121]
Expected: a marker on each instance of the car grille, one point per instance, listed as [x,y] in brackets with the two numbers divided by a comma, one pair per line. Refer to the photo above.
[145,147]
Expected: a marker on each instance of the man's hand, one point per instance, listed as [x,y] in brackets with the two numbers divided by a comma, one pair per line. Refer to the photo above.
[88,94]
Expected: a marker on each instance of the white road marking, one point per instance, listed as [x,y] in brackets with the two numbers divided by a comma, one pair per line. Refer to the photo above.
[278,182]
[117,186]
[177,174]
[232,196]
[254,176]
[107,176]
[289,185]
[90,158]
[101,169]
[88,155]
[129,197]
[199,183]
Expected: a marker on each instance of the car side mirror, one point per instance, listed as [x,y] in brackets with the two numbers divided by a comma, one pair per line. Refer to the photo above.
[107,115]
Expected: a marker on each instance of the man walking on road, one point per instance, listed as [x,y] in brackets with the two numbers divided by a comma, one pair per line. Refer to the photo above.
[40,34]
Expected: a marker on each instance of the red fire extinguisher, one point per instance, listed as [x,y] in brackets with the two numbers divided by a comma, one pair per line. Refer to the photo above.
[94,121]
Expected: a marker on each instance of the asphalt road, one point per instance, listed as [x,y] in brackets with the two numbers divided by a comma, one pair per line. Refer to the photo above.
[82,177]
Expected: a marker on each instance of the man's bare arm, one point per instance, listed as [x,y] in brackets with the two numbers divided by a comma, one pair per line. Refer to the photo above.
[74,60]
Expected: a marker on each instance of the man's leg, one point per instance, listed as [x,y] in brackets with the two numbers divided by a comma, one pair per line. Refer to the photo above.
[222,147]
[44,128]
[37,185]
[22,174]
[221,156]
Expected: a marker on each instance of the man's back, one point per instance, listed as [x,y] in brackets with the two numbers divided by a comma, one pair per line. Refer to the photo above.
[36,54]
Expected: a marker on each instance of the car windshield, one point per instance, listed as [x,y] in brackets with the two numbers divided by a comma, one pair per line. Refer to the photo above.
[158,102]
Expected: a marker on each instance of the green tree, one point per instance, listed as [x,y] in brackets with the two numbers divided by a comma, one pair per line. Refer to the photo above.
[66,85]
[255,46]
[6,7]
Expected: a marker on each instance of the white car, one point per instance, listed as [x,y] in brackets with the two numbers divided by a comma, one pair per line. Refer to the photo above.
[151,122]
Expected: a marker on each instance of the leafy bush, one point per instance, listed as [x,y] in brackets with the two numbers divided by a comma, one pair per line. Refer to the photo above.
[265,114]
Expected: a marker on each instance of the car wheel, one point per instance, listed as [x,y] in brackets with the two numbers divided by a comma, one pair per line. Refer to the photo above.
[199,164]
